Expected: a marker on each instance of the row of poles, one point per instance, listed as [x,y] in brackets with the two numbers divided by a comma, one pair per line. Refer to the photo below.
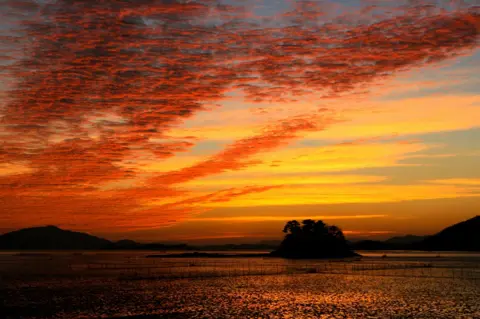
[213,269]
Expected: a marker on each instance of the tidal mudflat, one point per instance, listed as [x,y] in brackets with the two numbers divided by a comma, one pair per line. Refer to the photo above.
[295,295]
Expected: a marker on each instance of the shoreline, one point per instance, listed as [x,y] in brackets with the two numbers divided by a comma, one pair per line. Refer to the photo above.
[207,255]
[219,255]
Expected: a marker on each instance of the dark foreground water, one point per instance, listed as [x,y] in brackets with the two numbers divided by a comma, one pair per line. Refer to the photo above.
[127,285]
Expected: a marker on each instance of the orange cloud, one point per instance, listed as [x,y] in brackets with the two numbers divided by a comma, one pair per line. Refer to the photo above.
[94,89]
[281,218]
[457,181]
[357,193]
[167,213]
[236,155]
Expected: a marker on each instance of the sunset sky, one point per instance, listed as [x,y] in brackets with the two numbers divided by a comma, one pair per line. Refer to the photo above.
[220,120]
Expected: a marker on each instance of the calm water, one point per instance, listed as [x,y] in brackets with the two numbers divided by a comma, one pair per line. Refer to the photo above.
[378,253]
[128,285]
[420,254]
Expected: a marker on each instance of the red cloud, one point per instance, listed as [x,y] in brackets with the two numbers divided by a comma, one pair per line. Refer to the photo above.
[71,65]
[236,156]
[175,212]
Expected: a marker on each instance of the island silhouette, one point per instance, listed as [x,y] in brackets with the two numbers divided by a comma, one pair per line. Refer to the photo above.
[308,239]
[313,239]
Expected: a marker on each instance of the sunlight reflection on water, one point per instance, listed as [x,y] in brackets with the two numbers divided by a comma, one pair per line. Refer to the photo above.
[346,290]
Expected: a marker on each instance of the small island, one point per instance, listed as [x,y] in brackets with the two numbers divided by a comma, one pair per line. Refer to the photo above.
[308,240]
[313,240]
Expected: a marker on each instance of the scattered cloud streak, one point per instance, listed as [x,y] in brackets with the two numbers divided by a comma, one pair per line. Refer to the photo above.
[282,218]
[90,87]
[236,155]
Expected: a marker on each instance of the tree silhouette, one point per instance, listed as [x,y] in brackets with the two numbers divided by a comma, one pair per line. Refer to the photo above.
[292,227]
[312,239]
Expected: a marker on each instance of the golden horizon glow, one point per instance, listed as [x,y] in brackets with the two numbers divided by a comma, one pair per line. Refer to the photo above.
[280,218]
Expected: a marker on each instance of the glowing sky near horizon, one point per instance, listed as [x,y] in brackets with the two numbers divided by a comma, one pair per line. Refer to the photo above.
[220,120]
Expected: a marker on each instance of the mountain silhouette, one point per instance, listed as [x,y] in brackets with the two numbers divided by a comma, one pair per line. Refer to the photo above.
[464,236]
[50,238]
[372,245]
[405,240]
[125,244]
[318,242]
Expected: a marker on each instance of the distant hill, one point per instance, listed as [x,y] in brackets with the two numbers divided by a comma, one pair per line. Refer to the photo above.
[371,245]
[50,238]
[408,242]
[125,244]
[405,240]
[239,247]
[464,236]
[54,238]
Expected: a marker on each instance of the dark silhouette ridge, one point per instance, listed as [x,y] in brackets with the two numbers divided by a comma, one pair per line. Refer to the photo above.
[207,255]
[464,236]
[126,244]
[373,245]
[313,239]
[407,242]
[266,246]
[50,237]
[54,238]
